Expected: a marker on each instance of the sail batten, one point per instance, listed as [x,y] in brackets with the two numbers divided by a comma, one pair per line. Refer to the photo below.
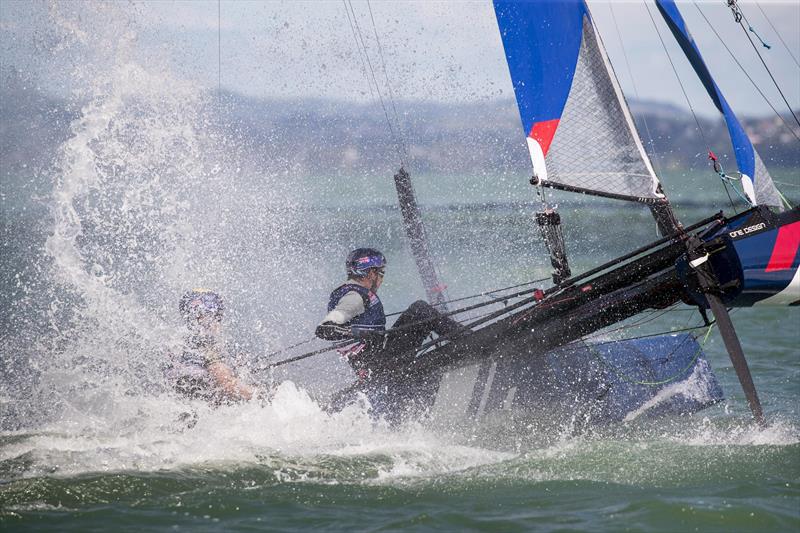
[581,135]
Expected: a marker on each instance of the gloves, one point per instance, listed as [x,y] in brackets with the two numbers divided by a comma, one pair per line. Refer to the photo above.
[331,331]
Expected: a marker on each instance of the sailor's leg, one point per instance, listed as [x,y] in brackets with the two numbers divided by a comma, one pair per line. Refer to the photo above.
[411,327]
[421,318]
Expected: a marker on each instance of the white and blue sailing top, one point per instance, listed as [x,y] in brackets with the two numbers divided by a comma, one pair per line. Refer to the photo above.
[358,307]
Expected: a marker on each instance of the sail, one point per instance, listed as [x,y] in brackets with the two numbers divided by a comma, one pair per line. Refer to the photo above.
[581,136]
[756,181]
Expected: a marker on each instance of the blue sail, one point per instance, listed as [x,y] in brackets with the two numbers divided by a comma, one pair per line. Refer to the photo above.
[541,42]
[756,181]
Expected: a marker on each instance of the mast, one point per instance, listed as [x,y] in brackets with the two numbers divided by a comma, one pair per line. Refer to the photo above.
[758,186]
[582,138]
[412,221]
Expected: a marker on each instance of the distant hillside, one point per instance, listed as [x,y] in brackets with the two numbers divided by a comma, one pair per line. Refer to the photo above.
[323,137]
[320,136]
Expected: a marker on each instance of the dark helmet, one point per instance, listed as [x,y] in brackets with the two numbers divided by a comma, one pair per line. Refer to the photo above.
[361,260]
[198,303]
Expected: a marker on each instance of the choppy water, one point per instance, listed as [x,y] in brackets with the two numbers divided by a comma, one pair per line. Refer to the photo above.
[150,194]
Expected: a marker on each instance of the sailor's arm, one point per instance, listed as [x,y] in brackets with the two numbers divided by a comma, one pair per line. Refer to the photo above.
[332,328]
[224,378]
[227,381]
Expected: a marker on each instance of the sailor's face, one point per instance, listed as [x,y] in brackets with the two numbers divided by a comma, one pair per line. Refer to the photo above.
[375,277]
[209,324]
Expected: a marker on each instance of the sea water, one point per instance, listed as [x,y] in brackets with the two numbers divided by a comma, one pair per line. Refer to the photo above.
[151,192]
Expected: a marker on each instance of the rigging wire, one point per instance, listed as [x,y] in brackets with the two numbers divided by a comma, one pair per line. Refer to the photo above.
[358,47]
[685,95]
[678,78]
[363,49]
[778,34]
[388,83]
[395,128]
[633,81]
[744,71]
[219,53]
[739,20]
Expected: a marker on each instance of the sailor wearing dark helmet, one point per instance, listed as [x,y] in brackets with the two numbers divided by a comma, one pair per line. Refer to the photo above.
[355,311]
[198,368]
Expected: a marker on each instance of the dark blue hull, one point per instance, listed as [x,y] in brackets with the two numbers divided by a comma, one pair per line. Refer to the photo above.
[590,385]
[756,259]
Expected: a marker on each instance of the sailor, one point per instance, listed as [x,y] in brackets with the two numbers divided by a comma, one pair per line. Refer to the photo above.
[198,368]
[355,311]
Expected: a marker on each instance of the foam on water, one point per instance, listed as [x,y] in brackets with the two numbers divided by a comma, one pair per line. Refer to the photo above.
[695,387]
[290,433]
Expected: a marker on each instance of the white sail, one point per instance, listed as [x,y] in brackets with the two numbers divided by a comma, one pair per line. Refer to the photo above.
[596,146]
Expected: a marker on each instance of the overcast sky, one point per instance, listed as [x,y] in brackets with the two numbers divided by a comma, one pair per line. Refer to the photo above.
[443,51]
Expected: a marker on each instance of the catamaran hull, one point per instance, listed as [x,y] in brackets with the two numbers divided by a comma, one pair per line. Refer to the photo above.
[586,384]
[578,385]
[755,257]
[533,362]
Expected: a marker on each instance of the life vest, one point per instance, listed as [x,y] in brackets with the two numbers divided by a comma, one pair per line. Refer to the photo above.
[187,371]
[373,318]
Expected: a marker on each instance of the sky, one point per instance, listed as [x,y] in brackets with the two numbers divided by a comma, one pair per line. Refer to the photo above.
[440,51]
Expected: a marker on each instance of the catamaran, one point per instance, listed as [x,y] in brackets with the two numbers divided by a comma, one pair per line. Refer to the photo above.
[532,357]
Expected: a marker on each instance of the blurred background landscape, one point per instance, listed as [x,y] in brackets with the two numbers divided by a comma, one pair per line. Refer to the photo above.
[334,138]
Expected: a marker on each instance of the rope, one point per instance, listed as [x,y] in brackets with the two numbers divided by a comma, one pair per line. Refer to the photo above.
[482,294]
[736,9]
[653,315]
[778,34]
[727,180]
[309,354]
[408,326]
[744,71]
[680,83]
[785,201]
[764,44]
[623,376]
[472,307]
[282,350]
[738,15]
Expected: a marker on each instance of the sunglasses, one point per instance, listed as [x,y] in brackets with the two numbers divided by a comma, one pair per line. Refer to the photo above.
[381,272]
